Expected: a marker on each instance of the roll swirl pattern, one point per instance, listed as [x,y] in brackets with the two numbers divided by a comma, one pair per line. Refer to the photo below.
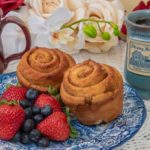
[93,92]
[41,67]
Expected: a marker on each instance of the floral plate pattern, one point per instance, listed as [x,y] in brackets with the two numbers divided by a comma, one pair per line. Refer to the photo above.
[99,137]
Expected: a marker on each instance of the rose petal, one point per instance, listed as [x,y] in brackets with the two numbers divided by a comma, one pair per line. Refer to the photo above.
[37,24]
[58,18]
[117,4]
[79,14]
[7,6]
[73,4]
[140,6]
[80,39]
[120,13]
[124,29]
[36,7]
[102,47]
[148,5]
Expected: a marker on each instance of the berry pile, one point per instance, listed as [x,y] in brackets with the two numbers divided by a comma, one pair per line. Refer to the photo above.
[42,118]
[33,116]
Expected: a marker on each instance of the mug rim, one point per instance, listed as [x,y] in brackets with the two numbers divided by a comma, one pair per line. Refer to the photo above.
[135,24]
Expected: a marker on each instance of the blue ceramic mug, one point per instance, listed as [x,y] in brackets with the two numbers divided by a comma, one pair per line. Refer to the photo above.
[137,68]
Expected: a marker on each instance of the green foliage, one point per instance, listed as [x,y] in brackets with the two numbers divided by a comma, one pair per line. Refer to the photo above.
[52,90]
[73,131]
[13,102]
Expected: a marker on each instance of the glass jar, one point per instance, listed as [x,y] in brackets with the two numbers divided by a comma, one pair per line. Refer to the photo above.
[137,66]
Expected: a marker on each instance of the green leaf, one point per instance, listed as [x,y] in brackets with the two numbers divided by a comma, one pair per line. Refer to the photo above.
[73,131]
[105,36]
[18,84]
[67,112]
[58,98]
[52,90]
[90,30]
[12,102]
[8,86]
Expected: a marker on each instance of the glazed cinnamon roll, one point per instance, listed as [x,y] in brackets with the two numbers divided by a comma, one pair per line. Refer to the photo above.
[40,68]
[93,92]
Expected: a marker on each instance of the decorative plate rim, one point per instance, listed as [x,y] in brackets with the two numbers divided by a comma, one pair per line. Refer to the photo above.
[143,118]
[142,122]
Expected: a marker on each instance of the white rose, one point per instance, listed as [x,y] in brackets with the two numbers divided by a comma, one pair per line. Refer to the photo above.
[104,10]
[45,8]
[77,7]
[46,17]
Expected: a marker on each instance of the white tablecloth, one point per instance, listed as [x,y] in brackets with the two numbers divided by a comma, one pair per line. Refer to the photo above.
[116,58]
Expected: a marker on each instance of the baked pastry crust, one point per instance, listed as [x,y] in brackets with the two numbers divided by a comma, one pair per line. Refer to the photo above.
[42,67]
[93,92]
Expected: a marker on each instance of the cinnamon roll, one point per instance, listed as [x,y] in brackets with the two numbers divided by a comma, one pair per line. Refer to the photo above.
[41,67]
[93,92]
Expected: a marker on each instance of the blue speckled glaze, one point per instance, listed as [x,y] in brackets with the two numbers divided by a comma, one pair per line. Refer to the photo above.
[99,137]
[139,33]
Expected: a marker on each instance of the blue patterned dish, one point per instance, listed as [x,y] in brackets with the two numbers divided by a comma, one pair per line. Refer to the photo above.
[103,136]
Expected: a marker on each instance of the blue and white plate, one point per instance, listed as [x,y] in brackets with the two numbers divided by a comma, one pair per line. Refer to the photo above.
[103,136]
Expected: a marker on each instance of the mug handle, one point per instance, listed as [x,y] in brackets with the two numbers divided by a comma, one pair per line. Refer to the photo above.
[21,24]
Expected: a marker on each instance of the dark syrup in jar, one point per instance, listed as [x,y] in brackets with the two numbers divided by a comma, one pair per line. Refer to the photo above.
[143,21]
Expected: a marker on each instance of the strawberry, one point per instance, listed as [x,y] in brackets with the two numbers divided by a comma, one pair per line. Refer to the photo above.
[14,93]
[45,99]
[55,127]
[11,119]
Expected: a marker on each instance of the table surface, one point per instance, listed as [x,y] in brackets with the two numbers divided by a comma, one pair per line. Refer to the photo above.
[115,57]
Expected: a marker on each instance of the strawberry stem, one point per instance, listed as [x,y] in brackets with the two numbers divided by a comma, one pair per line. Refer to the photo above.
[52,90]
[18,84]
[3,101]
[58,98]
[73,131]
[8,86]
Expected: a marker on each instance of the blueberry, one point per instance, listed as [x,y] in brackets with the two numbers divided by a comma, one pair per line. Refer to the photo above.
[24,138]
[28,125]
[43,142]
[32,94]
[35,135]
[46,111]
[25,103]
[17,137]
[28,112]
[38,118]
[36,110]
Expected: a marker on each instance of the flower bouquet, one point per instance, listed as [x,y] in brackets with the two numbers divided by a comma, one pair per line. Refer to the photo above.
[66,24]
